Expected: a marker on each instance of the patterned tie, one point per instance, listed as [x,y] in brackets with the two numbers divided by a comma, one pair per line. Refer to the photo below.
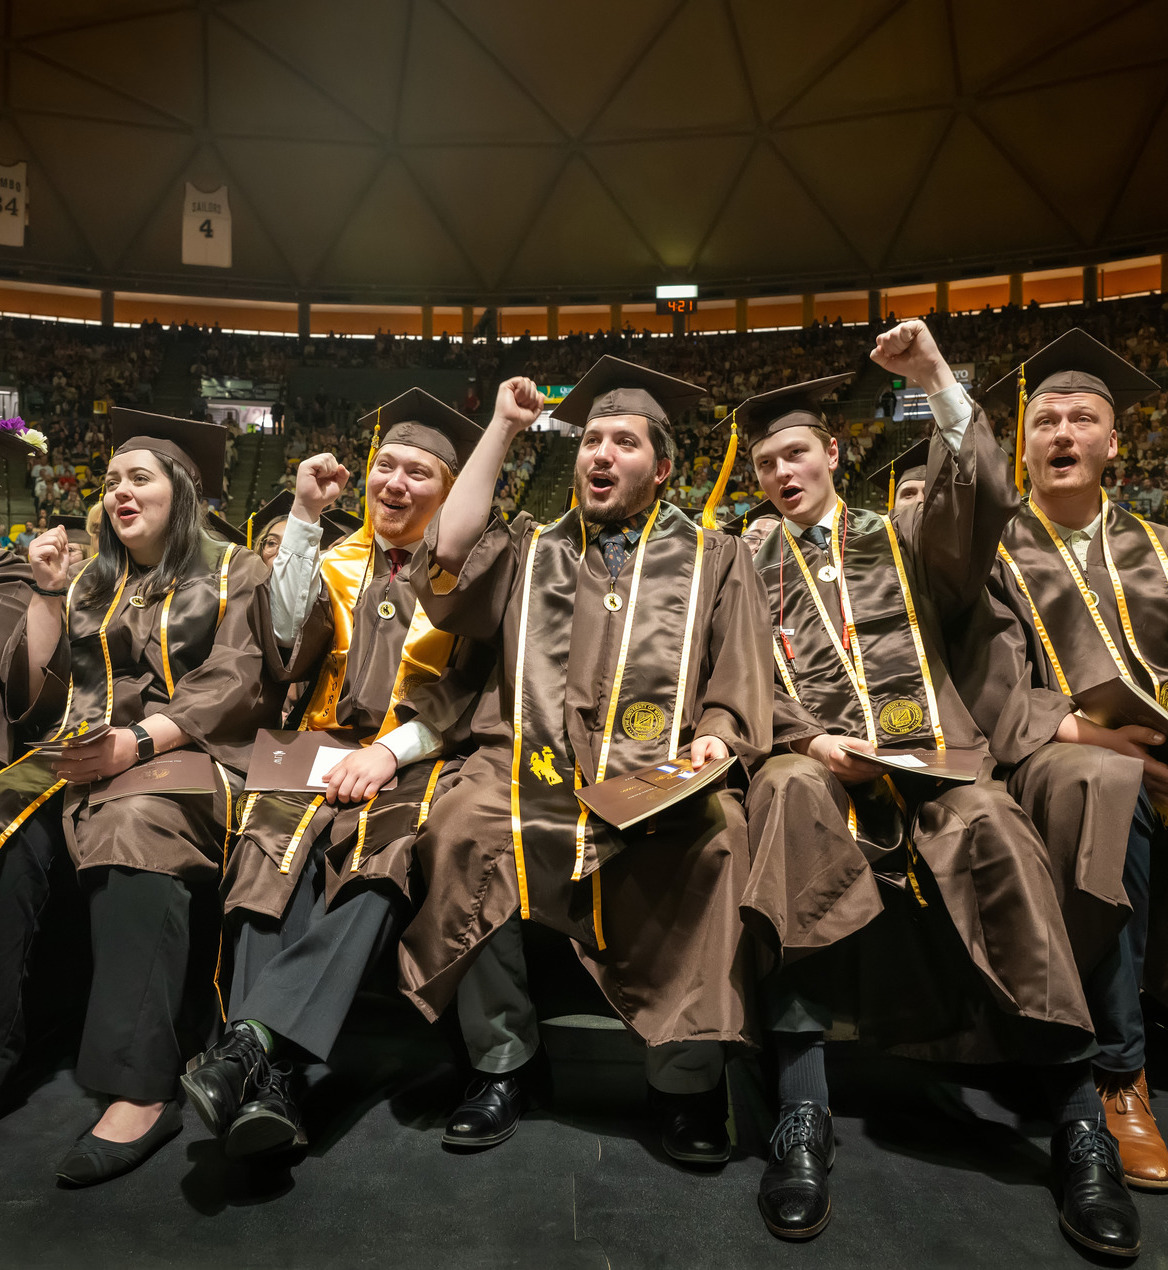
[612,543]
[818,535]
[398,559]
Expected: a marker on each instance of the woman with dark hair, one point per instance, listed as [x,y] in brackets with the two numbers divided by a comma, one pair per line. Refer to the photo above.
[151,648]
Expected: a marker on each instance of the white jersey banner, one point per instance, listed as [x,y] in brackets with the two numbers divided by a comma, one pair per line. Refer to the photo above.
[13,204]
[206,228]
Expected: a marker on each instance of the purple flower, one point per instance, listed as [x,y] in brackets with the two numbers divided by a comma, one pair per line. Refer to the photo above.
[13,425]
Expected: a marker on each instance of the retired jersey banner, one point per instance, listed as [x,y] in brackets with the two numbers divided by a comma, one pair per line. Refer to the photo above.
[206,228]
[13,204]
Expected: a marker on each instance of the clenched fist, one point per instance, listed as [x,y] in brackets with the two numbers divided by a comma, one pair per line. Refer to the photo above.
[319,481]
[49,557]
[518,404]
[910,350]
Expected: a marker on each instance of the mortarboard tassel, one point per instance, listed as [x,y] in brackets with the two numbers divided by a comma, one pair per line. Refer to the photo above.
[891,487]
[249,523]
[1019,479]
[709,516]
[374,446]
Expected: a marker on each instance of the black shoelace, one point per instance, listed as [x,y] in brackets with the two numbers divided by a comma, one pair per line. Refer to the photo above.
[794,1129]
[1092,1146]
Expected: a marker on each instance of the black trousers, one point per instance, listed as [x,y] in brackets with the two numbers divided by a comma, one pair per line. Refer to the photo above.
[140,935]
[298,976]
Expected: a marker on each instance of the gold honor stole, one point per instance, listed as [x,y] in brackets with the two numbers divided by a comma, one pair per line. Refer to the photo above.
[1137,570]
[642,706]
[886,689]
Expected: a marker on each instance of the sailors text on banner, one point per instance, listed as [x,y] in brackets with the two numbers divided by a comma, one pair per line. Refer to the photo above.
[13,204]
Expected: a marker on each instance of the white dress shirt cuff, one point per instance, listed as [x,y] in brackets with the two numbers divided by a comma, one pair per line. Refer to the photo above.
[952,409]
[295,580]
[411,741]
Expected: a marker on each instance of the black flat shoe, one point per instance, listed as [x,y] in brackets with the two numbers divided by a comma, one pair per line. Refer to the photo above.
[1095,1208]
[270,1120]
[792,1195]
[91,1160]
[489,1113]
[215,1081]
[693,1126]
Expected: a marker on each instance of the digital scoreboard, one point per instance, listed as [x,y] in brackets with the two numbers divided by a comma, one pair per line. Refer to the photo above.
[678,297]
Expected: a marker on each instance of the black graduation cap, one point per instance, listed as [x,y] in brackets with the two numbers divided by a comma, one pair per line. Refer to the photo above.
[909,465]
[796,405]
[337,524]
[739,525]
[223,528]
[74,527]
[274,509]
[1076,362]
[615,387]
[12,441]
[200,448]
[416,418]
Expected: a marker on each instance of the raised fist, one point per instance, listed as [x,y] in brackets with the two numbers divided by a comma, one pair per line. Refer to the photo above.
[519,403]
[910,350]
[49,557]
[319,481]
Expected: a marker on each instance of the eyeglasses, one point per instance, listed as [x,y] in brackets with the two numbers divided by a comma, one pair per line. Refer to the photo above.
[269,542]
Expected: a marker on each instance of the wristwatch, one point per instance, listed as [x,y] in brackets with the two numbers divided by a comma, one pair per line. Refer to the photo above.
[145,742]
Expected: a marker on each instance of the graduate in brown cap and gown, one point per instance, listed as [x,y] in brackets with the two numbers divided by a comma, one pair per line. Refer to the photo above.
[317,884]
[854,870]
[905,476]
[627,635]
[163,648]
[1077,597]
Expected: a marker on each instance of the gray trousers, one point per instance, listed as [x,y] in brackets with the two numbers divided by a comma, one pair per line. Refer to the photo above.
[299,976]
[501,1031]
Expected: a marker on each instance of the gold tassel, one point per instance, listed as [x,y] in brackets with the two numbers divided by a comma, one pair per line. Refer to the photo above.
[709,517]
[891,486]
[374,446]
[1019,439]
[249,521]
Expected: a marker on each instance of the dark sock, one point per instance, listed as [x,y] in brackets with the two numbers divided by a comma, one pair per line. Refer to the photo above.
[801,1074]
[1071,1090]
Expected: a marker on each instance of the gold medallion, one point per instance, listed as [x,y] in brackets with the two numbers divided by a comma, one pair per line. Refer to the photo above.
[386,608]
[137,601]
[900,717]
[828,573]
[1093,597]
[1162,695]
[643,721]
[613,602]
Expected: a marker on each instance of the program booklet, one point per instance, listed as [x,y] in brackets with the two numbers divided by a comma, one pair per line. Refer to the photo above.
[945,765]
[179,772]
[1118,701]
[82,735]
[296,762]
[626,800]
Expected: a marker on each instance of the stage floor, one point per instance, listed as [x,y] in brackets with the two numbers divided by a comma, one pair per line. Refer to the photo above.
[928,1173]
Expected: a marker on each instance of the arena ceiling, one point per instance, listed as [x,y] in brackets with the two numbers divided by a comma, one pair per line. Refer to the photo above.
[525,150]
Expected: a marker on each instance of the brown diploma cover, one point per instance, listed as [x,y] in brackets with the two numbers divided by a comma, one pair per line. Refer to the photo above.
[293,761]
[179,772]
[625,800]
[943,765]
[1118,701]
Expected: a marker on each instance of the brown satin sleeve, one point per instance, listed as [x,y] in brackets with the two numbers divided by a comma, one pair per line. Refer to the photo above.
[474,602]
[448,704]
[313,641]
[790,722]
[732,703]
[33,713]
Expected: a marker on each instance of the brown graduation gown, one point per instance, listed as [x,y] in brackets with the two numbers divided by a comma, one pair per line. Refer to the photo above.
[222,694]
[813,883]
[654,914]
[21,717]
[257,878]
[1081,798]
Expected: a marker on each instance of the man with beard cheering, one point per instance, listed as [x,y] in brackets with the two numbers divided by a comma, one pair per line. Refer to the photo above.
[627,635]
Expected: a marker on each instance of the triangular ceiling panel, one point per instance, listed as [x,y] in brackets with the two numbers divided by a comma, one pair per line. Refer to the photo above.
[1013,220]
[862,159]
[169,80]
[581,240]
[1104,115]
[50,234]
[690,78]
[1142,203]
[571,66]
[356,56]
[34,17]
[322,182]
[392,240]
[902,62]
[488,229]
[254,94]
[769,206]
[455,90]
[787,46]
[112,177]
[41,86]
[671,190]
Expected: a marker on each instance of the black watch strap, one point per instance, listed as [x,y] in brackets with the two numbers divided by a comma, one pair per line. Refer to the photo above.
[145,742]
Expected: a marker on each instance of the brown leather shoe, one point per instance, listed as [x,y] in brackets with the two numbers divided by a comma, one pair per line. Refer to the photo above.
[1130,1119]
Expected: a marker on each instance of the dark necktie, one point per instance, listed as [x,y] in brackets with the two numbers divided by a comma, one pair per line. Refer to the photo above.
[398,559]
[612,543]
[818,535]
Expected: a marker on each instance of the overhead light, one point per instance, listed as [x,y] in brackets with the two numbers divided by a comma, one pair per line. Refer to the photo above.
[678,291]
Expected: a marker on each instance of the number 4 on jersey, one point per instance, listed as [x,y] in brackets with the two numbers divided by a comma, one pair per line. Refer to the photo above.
[206,230]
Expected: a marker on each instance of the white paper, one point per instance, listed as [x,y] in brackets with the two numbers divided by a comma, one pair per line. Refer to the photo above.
[327,757]
[903,760]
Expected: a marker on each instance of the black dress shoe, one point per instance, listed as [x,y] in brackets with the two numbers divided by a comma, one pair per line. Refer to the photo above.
[91,1160]
[269,1120]
[490,1112]
[792,1196]
[215,1081]
[693,1126]
[1095,1208]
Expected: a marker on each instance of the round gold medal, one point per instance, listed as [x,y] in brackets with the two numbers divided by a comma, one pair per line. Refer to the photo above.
[386,608]
[1093,596]
[137,601]
[613,602]
[643,721]
[828,573]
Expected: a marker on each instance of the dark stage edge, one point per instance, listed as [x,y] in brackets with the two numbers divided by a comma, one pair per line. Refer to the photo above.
[928,1174]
